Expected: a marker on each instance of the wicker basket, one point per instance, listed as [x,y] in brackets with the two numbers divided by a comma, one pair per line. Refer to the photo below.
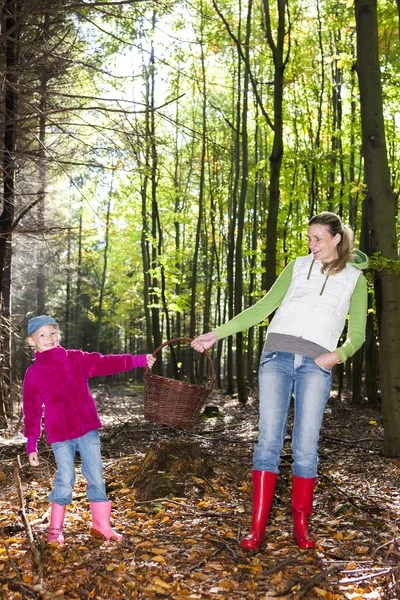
[173,402]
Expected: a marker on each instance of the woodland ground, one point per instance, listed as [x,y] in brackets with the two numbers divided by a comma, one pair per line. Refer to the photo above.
[181,535]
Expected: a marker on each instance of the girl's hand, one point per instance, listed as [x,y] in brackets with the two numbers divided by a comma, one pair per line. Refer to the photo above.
[33,458]
[204,341]
[328,360]
[150,360]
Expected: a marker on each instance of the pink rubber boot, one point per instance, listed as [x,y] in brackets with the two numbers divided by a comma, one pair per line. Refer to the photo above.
[101,512]
[55,533]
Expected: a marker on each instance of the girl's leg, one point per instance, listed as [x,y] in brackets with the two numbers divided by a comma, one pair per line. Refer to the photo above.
[92,466]
[92,469]
[64,453]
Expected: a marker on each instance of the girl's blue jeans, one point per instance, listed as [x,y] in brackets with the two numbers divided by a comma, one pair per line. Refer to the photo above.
[92,469]
[280,375]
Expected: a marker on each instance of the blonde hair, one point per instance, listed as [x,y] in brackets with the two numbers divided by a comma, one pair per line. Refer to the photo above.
[334,225]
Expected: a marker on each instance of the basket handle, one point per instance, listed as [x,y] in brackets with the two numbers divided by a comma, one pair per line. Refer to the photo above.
[184,339]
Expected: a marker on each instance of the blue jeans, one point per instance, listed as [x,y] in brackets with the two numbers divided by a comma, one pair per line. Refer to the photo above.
[280,374]
[92,469]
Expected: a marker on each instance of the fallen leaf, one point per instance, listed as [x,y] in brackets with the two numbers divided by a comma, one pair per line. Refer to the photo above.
[158,581]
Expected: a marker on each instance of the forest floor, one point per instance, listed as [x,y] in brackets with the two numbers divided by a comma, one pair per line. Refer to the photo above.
[182,542]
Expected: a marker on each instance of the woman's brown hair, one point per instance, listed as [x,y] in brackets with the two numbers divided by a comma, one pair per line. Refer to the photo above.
[335,226]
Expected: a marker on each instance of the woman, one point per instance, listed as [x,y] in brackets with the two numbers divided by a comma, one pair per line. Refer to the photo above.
[312,297]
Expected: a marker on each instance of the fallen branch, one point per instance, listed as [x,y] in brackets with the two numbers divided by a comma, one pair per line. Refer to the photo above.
[227,546]
[19,581]
[301,593]
[25,588]
[290,562]
[350,442]
[37,558]
[363,577]
[205,560]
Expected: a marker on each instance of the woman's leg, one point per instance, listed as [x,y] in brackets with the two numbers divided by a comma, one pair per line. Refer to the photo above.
[312,386]
[275,389]
[275,385]
[312,389]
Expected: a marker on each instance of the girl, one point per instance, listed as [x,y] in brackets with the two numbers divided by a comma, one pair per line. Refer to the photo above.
[312,298]
[58,380]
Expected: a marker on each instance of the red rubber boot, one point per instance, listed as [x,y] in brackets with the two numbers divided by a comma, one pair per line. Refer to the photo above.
[302,501]
[263,492]
[101,512]
[55,533]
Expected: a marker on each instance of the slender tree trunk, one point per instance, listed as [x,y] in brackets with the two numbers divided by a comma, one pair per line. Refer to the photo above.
[253,261]
[78,303]
[155,301]
[195,264]
[370,347]
[314,187]
[353,198]
[68,294]
[146,230]
[240,363]
[105,262]
[216,252]
[382,211]
[40,276]
[276,155]
[230,264]
[178,208]
[7,214]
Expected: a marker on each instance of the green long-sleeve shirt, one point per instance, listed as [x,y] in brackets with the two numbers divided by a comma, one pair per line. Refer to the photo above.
[272,299]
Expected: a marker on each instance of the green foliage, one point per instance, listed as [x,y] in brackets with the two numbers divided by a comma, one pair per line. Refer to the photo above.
[105,127]
[378,262]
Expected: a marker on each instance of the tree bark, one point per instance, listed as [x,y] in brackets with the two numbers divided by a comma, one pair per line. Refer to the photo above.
[105,261]
[276,155]
[7,214]
[382,211]
[240,363]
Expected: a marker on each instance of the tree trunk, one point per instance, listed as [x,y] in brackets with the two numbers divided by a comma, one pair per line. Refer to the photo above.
[105,261]
[370,346]
[68,294]
[253,261]
[155,301]
[382,212]
[276,155]
[40,276]
[240,363]
[78,302]
[200,216]
[7,214]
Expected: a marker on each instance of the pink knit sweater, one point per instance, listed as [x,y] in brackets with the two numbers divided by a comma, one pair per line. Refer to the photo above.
[58,381]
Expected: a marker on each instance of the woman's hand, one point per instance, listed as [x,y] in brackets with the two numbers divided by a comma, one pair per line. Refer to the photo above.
[150,360]
[204,341]
[33,458]
[328,360]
